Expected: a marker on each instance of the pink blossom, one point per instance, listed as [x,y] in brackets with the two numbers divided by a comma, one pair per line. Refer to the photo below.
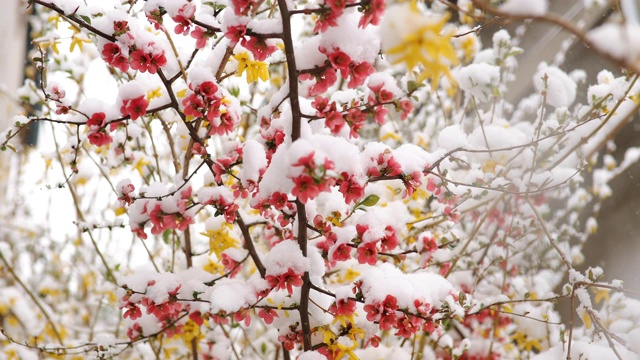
[184,19]
[342,253]
[305,188]
[367,253]
[258,47]
[286,280]
[267,315]
[134,107]
[372,13]
[235,33]
[99,138]
[359,74]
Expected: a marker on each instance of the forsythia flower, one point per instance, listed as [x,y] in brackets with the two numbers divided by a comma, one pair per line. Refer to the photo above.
[220,240]
[255,69]
[414,39]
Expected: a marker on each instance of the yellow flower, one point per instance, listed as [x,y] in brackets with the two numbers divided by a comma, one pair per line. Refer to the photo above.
[257,70]
[429,47]
[55,19]
[243,61]
[79,42]
[220,240]
[53,43]
[140,164]
[155,93]
[601,294]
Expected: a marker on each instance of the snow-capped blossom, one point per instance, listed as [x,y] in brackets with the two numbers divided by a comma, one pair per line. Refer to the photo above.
[184,18]
[120,28]
[98,135]
[55,92]
[124,188]
[324,79]
[147,61]
[259,47]
[340,61]
[114,56]
[367,253]
[134,107]
[287,280]
[235,33]
[313,177]
[359,73]
[383,312]
[242,7]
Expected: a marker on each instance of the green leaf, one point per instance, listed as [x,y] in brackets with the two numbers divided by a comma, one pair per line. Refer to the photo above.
[86,19]
[370,200]
[527,295]
[165,236]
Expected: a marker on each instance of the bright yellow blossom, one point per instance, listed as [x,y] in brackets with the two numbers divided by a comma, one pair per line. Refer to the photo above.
[220,240]
[429,47]
[79,42]
[255,69]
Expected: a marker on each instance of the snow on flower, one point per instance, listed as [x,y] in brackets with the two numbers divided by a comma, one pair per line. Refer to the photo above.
[559,87]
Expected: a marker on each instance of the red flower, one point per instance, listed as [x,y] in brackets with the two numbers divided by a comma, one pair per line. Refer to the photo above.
[372,13]
[133,311]
[359,74]
[343,307]
[326,19]
[258,47]
[305,188]
[235,33]
[241,7]
[150,62]
[324,80]
[367,253]
[99,138]
[286,280]
[334,121]
[193,106]
[120,28]
[267,315]
[97,120]
[351,189]
[134,107]
[342,253]
[340,60]
[184,18]
[112,54]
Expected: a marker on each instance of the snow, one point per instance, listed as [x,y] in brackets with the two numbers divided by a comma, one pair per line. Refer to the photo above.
[525,7]
[621,41]
[452,137]
[284,256]
[560,88]
[478,80]
[230,295]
